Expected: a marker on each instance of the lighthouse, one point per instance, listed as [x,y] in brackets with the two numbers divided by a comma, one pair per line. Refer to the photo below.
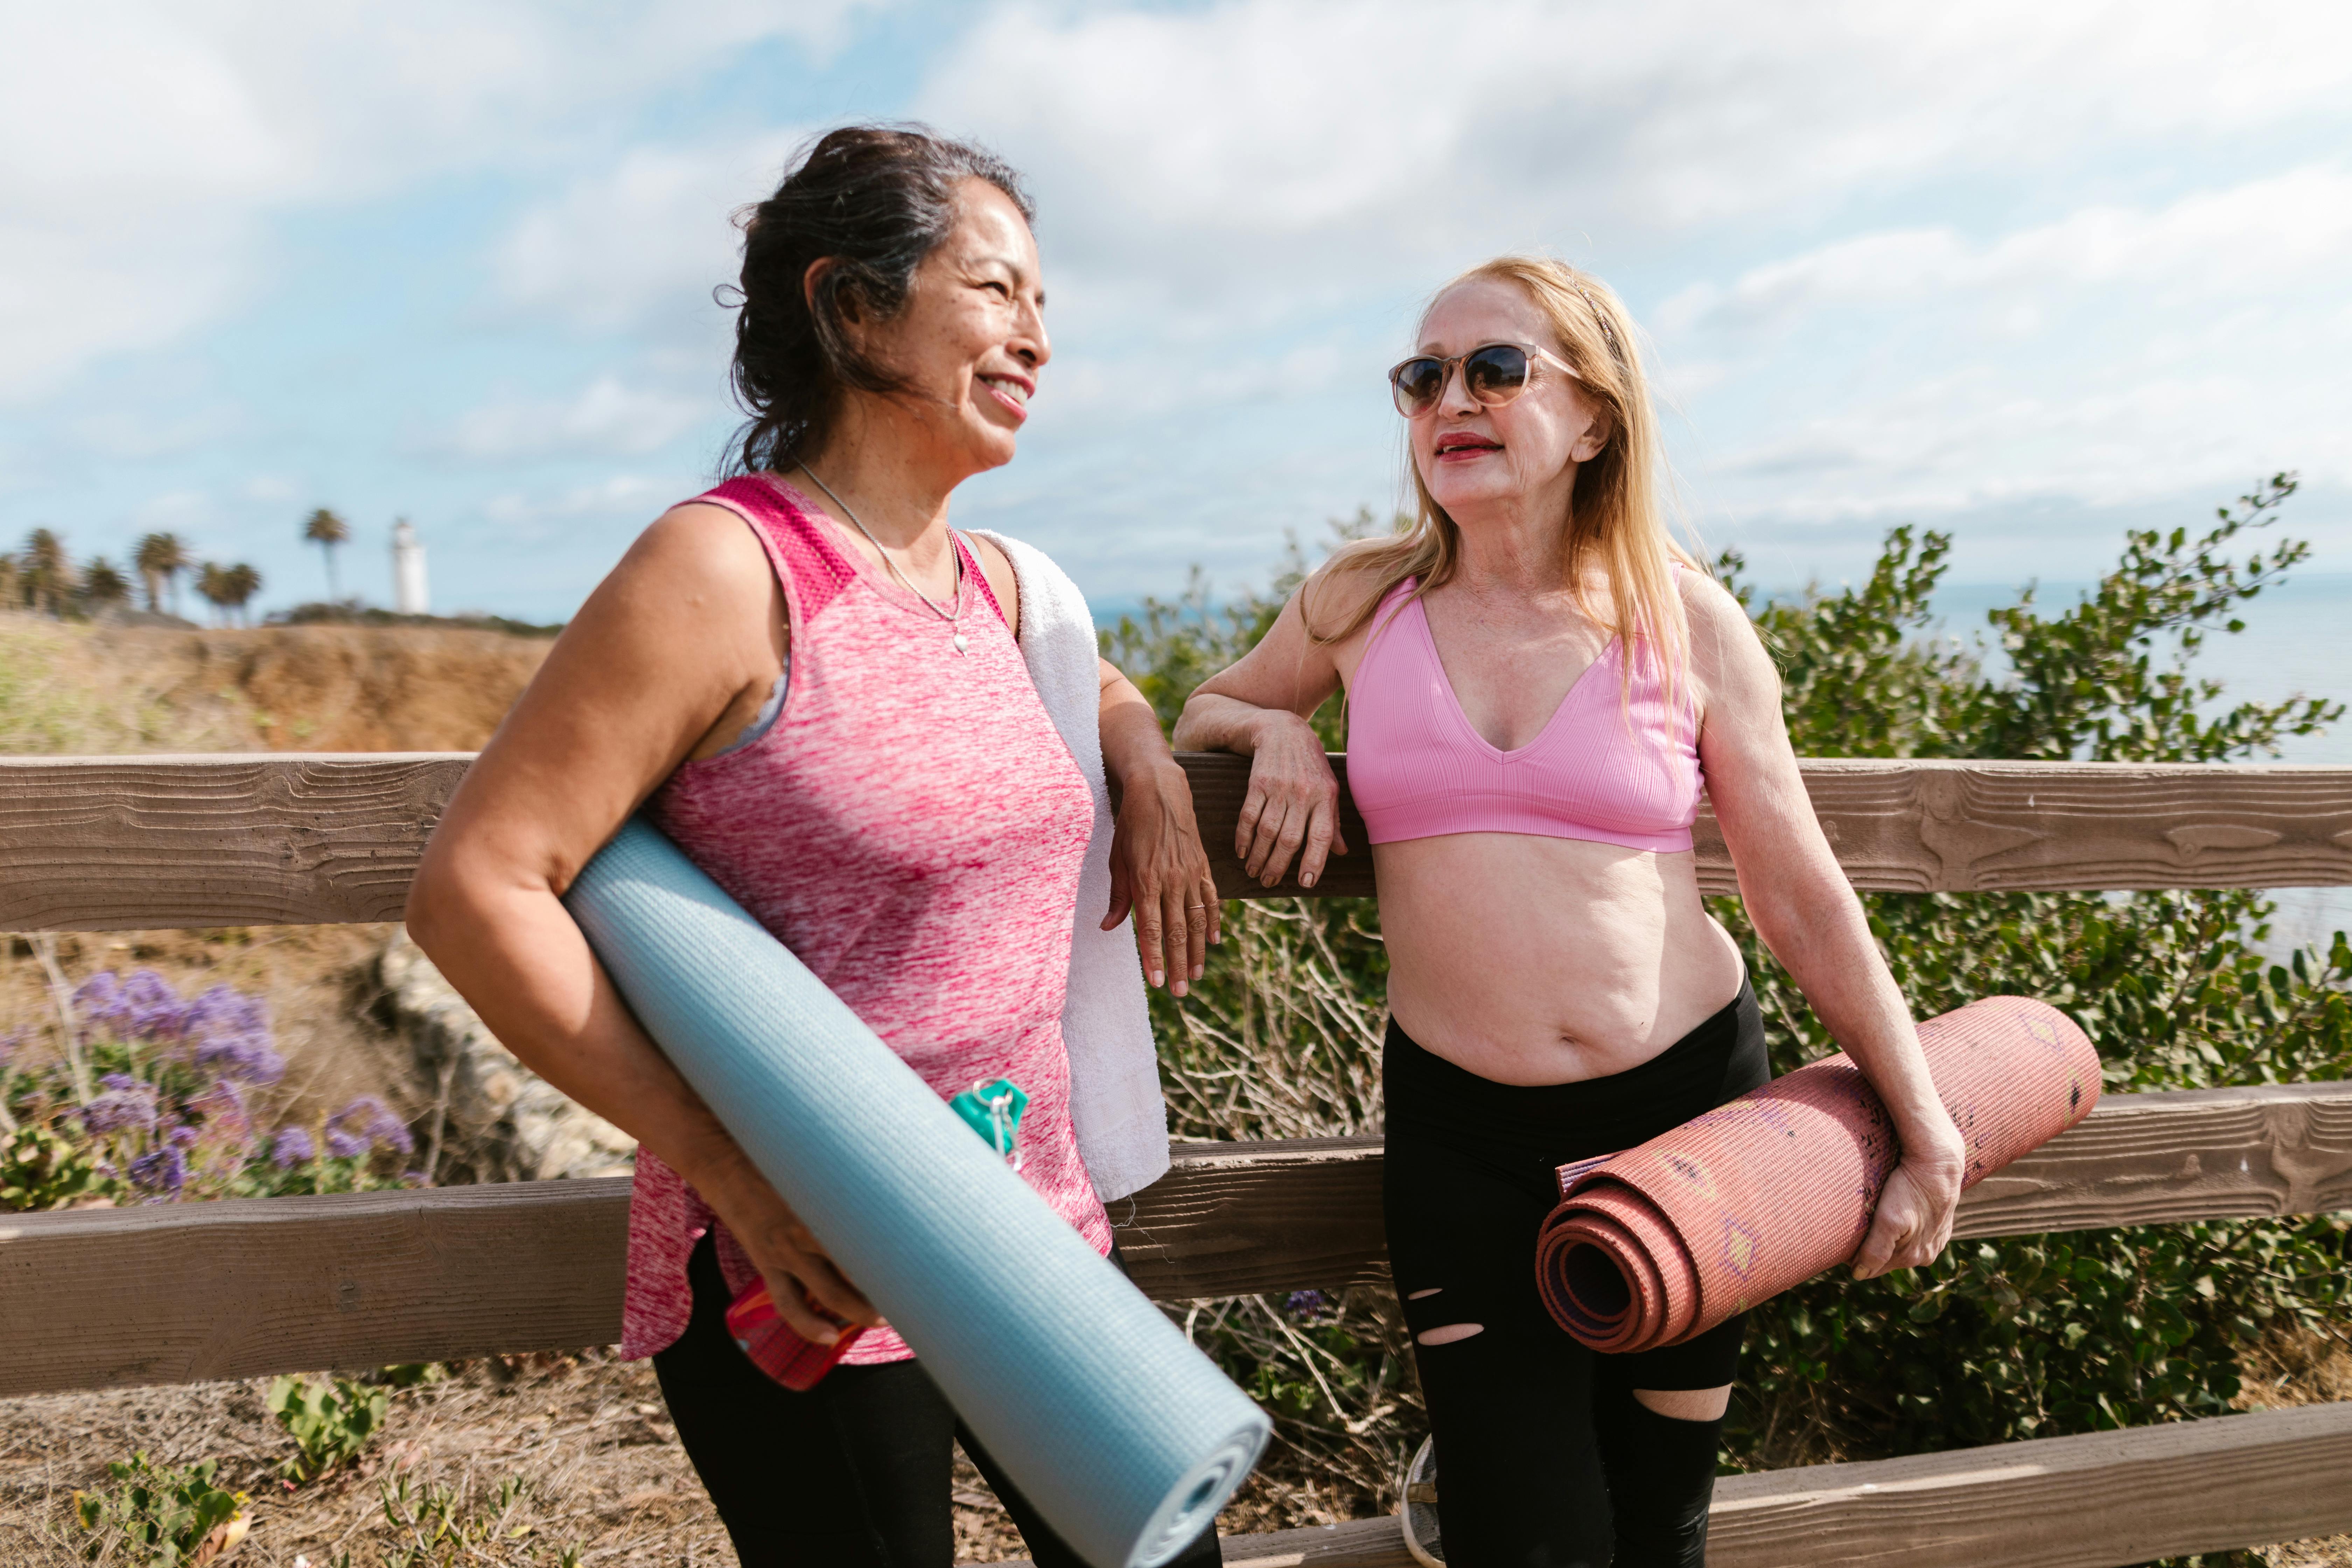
[408,596]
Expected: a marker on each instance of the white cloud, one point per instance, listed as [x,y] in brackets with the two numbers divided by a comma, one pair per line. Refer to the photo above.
[2114,355]
[647,238]
[1220,186]
[142,146]
[635,498]
[1258,147]
[2217,244]
[607,418]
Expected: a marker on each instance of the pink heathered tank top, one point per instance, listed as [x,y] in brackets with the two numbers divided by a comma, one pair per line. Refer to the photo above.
[1625,772]
[912,828]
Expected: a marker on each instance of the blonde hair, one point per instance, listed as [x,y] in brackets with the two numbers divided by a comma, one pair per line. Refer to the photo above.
[1617,515]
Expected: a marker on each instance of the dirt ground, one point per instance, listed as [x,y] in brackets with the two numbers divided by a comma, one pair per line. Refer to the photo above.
[601,1466]
[587,1436]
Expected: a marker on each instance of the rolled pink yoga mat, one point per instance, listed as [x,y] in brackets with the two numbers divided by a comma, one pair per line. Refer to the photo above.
[1659,1243]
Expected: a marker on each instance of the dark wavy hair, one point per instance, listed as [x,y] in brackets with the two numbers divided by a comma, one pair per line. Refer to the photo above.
[878,199]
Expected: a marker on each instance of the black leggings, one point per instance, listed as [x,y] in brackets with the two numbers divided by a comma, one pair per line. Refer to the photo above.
[852,1474]
[1545,1457]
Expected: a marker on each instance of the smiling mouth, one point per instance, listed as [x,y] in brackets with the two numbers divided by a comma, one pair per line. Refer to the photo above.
[1008,391]
[1466,446]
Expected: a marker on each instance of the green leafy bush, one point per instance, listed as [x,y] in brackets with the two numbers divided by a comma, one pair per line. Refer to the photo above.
[2026,1337]
[41,1168]
[2036,1336]
[162,1516]
[330,1424]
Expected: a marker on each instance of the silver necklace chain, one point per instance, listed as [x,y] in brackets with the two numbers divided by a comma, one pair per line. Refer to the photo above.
[951,615]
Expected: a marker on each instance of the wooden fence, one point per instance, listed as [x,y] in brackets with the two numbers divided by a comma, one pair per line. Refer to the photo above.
[100,1298]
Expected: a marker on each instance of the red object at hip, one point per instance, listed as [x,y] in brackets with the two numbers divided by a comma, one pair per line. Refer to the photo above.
[778,1349]
[1654,1246]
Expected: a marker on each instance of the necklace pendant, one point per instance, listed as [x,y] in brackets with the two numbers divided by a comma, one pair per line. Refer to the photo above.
[960,643]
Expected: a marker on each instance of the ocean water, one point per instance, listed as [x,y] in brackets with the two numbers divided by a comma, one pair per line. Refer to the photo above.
[2297,642]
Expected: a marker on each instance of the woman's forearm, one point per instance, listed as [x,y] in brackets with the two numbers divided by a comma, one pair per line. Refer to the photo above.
[1212,722]
[1133,748]
[1814,925]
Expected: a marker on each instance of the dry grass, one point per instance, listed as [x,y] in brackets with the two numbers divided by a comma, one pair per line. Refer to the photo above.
[587,1435]
[2300,1368]
[110,690]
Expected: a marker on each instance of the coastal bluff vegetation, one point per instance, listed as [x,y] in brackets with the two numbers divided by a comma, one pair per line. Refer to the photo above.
[86,687]
[566,1459]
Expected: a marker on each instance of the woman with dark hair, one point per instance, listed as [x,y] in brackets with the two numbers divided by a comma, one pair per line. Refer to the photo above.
[831,701]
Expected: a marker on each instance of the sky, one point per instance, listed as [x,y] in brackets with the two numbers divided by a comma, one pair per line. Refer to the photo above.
[2032,273]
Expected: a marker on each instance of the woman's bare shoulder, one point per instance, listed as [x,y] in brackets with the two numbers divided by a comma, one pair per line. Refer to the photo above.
[1340,592]
[1727,654]
[703,548]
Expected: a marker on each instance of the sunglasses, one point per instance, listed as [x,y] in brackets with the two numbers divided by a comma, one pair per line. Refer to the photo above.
[1493,376]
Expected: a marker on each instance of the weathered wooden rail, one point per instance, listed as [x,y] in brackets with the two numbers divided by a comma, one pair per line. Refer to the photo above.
[130,843]
[363,1279]
[102,1298]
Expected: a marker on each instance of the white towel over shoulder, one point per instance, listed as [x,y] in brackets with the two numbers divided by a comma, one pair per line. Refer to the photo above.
[1115,1099]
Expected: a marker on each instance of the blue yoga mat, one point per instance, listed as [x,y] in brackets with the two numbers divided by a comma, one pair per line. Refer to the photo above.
[1123,1435]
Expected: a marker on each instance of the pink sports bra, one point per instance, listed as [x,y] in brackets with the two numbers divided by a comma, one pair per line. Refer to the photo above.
[1418,768]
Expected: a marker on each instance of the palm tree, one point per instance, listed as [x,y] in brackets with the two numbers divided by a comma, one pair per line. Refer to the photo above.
[159,560]
[47,571]
[243,583]
[102,584]
[326,531]
[212,582]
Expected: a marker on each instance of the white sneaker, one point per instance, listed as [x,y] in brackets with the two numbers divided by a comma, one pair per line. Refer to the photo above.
[1418,1512]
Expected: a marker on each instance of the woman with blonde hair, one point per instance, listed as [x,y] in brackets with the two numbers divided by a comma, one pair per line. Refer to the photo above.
[1539,684]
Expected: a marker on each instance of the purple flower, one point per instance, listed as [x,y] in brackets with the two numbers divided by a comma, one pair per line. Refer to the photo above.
[166,1171]
[1304,1303]
[144,1005]
[367,1122]
[99,1000]
[345,1145]
[241,1056]
[231,1032]
[223,1112]
[127,1103]
[182,1137]
[289,1147]
[156,1009]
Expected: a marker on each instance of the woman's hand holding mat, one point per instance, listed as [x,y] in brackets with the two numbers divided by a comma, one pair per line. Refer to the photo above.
[1653,1246]
[1123,1435]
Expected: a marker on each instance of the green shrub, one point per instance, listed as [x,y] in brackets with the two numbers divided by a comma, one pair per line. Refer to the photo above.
[162,1516]
[331,1423]
[41,1168]
[2036,1336]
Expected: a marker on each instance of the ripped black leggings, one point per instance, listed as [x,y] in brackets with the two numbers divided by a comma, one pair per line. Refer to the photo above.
[1545,1459]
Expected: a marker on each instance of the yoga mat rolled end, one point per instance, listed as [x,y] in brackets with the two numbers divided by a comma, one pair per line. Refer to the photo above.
[1197,1498]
